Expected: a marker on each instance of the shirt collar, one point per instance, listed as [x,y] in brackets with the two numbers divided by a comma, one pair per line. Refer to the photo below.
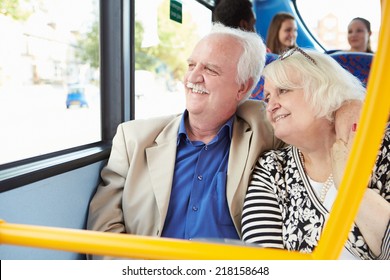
[226,128]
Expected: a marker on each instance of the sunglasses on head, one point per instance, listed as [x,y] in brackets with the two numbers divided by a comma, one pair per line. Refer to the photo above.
[289,52]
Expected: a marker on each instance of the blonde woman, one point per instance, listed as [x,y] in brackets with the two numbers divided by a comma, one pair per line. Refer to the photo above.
[292,189]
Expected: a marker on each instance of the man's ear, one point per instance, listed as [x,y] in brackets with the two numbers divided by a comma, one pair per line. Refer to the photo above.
[244,24]
[245,87]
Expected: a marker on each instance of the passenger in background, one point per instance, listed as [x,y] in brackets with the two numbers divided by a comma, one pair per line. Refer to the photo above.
[359,32]
[282,33]
[292,189]
[185,176]
[235,14]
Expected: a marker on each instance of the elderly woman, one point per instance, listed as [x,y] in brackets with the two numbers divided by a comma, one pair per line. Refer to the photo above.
[292,189]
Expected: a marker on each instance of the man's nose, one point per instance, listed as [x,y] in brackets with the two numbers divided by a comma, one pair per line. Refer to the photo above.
[195,75]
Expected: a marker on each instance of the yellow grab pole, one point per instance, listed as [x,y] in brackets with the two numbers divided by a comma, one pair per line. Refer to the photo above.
[364,150]
[131,246]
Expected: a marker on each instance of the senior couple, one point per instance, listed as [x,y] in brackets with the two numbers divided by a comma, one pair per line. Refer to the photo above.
[266,172]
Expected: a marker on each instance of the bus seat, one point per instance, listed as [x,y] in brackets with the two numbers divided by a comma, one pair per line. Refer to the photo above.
[358,63]
[59,201]
[332,51]
[257,92]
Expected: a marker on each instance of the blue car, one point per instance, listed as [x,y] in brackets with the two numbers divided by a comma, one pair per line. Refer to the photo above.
[76,97]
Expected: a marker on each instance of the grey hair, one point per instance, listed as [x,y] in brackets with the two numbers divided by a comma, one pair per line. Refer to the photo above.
[252,60]
[326,84]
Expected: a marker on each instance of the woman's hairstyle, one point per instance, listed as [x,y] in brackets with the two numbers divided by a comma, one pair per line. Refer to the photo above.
[273,42]
[325,83]
[252,59]
[367,24]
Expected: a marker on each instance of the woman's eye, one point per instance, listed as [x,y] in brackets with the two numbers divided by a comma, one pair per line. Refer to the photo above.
[282,90]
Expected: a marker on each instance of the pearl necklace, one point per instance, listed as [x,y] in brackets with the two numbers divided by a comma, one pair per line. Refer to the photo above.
[327,185]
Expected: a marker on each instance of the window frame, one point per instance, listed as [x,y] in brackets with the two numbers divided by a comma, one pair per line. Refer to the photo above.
[117,68]
[117,102]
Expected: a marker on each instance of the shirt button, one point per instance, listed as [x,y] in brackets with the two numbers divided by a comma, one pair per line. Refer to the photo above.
[200,177]
[194,208]
[206,148]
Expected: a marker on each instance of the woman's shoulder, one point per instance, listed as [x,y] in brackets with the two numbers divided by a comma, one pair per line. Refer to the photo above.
[276,156]
[385,142]
[385,145]
[387,132]
[282,152]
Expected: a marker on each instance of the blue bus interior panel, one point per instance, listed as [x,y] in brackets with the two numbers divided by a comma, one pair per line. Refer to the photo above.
[265,11]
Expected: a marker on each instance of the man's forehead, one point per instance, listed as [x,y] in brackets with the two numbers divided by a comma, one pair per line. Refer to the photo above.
[219,43]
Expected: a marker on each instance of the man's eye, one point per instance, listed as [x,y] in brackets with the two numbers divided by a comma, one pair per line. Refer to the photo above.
[212,71]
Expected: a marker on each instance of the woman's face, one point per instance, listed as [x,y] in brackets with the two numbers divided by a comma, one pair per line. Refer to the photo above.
[288,33]
[358,36]
[289,113]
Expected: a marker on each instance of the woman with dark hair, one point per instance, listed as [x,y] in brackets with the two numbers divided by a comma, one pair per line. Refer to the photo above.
[282,33]
[359,32]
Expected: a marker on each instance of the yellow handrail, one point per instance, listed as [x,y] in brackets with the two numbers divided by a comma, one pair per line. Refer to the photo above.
[132,246]
[364,150]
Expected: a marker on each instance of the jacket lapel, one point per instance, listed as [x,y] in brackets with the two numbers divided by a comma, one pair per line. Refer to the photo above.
[161,164]
[237,159]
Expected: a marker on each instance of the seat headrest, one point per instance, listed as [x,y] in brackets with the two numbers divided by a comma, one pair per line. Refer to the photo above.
[357,63]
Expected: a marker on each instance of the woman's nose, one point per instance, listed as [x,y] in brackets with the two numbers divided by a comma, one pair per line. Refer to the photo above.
[272,105]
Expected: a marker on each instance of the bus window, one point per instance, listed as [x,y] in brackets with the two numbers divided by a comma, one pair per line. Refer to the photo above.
[49,76]
[328,20]
[162,47]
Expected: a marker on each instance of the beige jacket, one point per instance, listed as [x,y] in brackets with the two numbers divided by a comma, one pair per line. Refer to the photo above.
[134,194]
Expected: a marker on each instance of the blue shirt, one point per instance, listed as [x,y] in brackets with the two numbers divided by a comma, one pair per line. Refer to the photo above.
[198,207]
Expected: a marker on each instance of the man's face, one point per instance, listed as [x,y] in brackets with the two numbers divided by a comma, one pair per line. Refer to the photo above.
[211,87]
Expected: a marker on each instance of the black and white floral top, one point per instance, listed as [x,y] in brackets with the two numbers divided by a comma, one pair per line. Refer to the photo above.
[281,209]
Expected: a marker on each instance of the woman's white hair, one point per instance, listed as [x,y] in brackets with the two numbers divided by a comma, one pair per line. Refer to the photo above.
[252,60]
[326,84]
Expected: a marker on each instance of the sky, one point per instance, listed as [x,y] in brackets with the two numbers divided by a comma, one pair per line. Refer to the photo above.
[345,9]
